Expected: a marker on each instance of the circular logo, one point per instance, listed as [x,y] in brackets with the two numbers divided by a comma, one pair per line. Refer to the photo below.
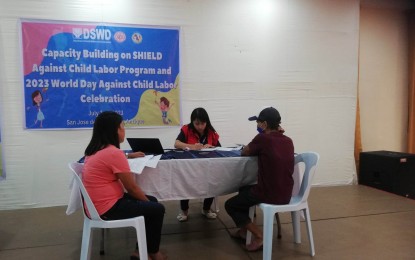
[137,38]
[120,36]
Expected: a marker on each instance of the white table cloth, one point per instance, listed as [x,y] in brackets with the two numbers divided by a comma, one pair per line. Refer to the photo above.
[197,178]
[193,178]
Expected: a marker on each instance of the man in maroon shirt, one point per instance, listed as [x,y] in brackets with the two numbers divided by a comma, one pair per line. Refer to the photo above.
[275,153]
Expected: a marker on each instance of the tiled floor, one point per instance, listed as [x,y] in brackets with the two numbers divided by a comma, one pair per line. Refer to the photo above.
[349,222]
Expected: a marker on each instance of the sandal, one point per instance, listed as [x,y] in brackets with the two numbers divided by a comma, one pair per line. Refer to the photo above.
[209,214]
[254,246]
[182,217]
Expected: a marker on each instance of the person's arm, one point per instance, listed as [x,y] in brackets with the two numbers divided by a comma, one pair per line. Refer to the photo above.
[180,141]
[180,145]
[132,188]
[213,142]
[134,155]
[245,151]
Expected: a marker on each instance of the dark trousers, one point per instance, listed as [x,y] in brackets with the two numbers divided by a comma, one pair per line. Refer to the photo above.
[153,212]
[207,203]
[238,206]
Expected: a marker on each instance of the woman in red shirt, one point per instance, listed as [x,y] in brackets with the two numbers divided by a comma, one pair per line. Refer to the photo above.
[198,134]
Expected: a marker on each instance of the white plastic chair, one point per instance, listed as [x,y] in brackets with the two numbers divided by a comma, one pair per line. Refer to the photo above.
[95,221]
[297,204]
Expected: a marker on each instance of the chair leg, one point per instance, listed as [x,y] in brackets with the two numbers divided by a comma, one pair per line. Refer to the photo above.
[102,244]
[277,217]
[86,242]
[295,216]
[268,229]
[215,205]
[141,239]
[309,231]
[252,217]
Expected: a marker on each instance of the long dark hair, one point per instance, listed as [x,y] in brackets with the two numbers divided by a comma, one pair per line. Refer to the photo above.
[105,132]
[201,115]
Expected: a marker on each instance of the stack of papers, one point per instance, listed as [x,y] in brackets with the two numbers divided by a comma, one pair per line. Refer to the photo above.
[137,164]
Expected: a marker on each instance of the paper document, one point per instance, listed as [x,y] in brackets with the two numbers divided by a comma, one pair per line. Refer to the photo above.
[222,148]
[137,164]
[152,163]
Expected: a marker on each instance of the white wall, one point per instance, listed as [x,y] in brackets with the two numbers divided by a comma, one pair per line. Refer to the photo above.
[383,78]
[300,56]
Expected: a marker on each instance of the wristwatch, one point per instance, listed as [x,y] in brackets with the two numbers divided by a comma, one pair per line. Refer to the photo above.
[126,155]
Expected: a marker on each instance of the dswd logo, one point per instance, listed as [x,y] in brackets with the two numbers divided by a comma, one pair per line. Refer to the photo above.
[91,34]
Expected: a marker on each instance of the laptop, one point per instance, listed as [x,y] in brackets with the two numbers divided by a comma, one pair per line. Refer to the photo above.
[146,145]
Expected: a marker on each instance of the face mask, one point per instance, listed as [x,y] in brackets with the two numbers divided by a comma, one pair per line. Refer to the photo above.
[260,130]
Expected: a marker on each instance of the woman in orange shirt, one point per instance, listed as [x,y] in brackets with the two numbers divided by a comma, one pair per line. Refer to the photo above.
[105,175]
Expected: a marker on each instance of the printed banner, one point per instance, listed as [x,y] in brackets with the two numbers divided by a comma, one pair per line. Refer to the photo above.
[73,71]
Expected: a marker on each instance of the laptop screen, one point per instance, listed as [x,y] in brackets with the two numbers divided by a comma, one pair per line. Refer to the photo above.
[146,145]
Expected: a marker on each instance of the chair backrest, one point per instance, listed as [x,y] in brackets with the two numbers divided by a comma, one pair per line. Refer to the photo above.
[310,160]
[90,208]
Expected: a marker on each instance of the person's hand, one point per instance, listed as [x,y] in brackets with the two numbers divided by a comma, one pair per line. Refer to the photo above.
[197,146]
[208,146]
[281,130]
[135,155]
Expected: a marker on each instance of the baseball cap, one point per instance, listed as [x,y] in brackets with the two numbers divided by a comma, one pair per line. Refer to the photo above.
[268,114]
